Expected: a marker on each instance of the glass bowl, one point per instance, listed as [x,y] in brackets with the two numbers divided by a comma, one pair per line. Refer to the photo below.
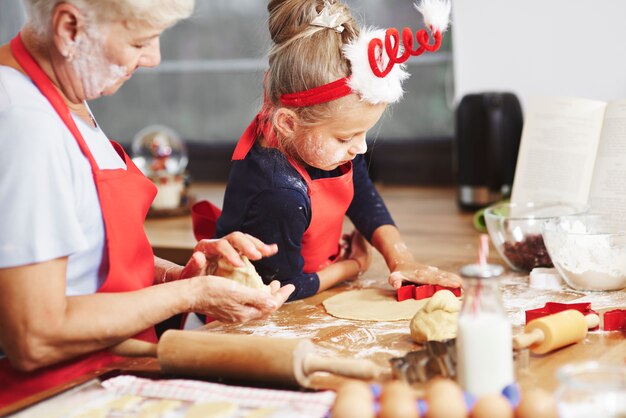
[515,230]
[588,250]
[591,389]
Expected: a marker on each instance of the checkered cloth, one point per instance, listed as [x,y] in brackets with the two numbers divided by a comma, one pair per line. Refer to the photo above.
[288,403]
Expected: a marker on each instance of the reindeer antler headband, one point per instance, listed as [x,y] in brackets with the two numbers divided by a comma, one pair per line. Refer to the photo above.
[375,76]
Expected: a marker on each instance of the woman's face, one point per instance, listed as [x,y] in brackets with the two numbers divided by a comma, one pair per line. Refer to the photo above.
[340,139]
[106,57]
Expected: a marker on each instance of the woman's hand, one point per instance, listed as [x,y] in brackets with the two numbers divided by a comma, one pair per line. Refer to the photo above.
[234,244]
[229,301]
[422,274]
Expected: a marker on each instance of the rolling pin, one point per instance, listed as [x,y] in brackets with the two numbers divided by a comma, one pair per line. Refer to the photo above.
[243,357]
[550,332]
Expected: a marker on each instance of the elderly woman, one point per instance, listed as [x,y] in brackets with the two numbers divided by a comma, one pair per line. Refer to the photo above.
[76,268]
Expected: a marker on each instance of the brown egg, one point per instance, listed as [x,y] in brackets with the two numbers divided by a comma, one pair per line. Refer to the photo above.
[354,400]
[492,406]
[537,403]
[445,399]
[398,400]
[443,385]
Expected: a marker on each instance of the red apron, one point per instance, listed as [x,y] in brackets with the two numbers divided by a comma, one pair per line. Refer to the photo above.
[125,197]
[330,199]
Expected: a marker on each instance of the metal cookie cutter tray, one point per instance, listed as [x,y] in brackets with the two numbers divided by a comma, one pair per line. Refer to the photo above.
[438,358]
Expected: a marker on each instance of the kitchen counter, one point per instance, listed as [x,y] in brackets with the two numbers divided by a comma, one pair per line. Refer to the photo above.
[438,234]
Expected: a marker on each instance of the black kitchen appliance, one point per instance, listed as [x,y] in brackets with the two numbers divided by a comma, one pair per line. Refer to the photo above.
[487,137]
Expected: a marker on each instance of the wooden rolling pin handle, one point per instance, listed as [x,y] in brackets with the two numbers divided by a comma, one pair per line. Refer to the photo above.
[593,320]
[536,336]
[525,340]
[357,368]
[134,348]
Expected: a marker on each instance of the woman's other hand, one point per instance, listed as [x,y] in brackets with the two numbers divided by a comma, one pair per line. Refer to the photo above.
[422,274]
[231,302]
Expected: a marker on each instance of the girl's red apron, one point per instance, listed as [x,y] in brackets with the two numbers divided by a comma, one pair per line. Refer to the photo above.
[330,199]
[125,197]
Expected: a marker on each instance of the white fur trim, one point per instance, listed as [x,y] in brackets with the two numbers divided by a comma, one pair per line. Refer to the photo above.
[371,88]
[436,13]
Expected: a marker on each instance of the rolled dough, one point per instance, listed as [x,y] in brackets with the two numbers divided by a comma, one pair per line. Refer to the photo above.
[158,408]
[264,412]
[245,275]
[212,410]
[124,402]
[371,305]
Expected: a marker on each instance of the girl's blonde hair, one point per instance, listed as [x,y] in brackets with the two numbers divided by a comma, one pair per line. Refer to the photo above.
[156,13]
[304,56]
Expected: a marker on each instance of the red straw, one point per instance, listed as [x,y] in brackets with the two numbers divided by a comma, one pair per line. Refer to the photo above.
[483,250]
[483,253]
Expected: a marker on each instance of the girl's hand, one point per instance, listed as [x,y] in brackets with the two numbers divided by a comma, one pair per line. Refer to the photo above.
[359,250]
[422,274]
[231,302]
[206,252]
[234,244]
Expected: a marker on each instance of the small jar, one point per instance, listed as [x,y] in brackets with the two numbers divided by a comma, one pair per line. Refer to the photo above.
[591,389]
[484,339]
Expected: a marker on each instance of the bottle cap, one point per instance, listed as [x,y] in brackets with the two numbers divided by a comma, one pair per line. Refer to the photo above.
[483,271]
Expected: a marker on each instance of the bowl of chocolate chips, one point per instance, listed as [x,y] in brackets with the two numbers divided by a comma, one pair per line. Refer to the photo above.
[515,230]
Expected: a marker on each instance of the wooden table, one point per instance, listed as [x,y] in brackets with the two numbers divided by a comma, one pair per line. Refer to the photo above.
[438,234]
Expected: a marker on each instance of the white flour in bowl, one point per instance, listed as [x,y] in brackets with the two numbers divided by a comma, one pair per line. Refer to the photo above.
[586,260]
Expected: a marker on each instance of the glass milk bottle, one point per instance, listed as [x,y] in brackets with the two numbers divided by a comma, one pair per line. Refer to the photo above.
[484,345]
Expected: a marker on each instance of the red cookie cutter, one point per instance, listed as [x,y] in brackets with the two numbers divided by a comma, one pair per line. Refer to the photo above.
[614,320]
[423,291]
[551,308]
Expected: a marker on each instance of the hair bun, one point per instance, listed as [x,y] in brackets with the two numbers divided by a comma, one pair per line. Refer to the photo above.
[291,19]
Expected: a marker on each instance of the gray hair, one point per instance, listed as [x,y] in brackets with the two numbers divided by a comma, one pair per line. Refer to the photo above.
[157,13]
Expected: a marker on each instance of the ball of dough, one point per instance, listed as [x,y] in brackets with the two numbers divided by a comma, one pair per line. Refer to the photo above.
[245,275]
[437,320]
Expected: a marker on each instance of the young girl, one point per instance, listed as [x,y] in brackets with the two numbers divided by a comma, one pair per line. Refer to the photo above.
[299,167]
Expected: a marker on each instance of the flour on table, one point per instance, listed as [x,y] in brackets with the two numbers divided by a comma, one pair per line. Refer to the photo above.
[372,305]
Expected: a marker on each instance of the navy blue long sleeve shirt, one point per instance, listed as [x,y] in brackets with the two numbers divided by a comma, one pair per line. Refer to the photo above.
[267,198]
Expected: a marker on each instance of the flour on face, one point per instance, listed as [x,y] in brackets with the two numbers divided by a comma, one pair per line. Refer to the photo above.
[91,66]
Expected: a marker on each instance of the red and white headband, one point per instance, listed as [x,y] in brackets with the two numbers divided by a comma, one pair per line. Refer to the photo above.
[377,58]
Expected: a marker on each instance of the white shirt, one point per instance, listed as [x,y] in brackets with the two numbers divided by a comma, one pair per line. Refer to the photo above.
[49,206]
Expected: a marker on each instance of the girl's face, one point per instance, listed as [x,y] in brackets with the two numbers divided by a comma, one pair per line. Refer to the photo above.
[340,139]
[107,56]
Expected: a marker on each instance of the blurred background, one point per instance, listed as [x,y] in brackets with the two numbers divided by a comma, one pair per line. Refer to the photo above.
[208,86]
